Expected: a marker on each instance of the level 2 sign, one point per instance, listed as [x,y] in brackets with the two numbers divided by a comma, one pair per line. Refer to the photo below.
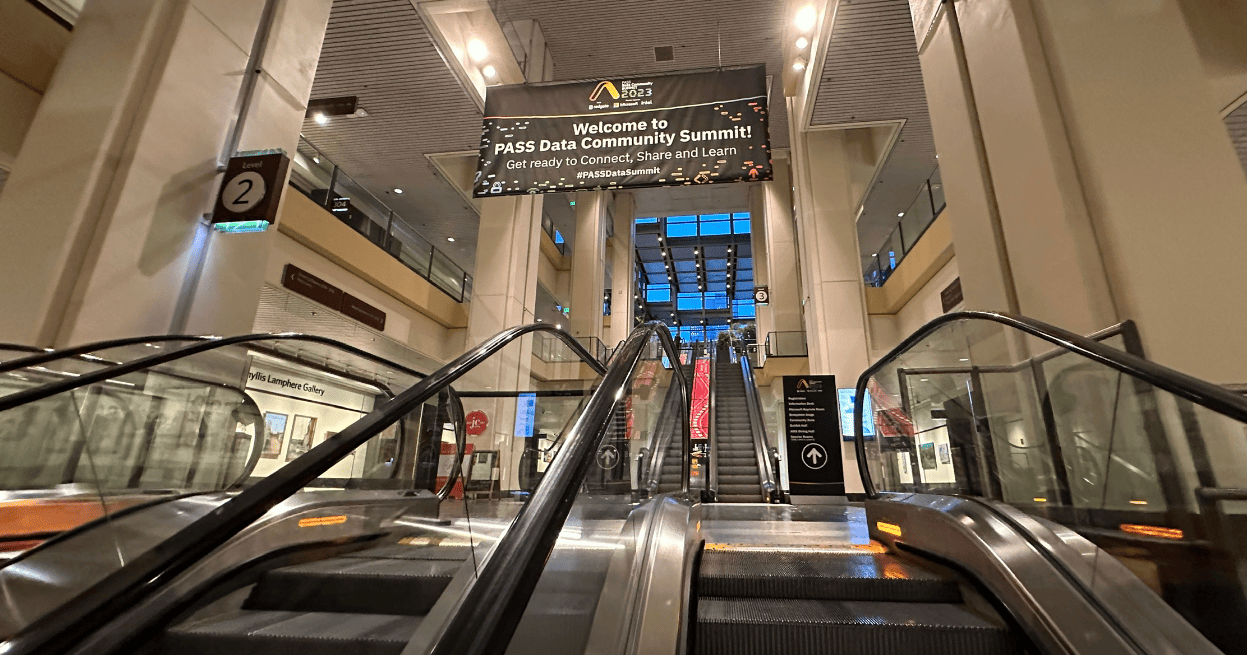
[812,433]
[251,191]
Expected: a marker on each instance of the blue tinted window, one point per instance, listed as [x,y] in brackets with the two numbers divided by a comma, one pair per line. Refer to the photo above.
[681,229]
[741,216]
[716,300]
[558,237]
[681,219]
[741,227]
[743,309]
[688,301]
[706,218]
[658,293]
[647,220]
[716,227]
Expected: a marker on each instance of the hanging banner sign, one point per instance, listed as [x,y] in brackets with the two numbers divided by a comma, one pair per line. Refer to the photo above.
[661,130]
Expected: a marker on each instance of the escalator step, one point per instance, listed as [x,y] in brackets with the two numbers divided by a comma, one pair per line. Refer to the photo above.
[403,551]
[740,489]
[822,576]
[800,627]
[354,585]
[739,498]
[750,479]
[292,633]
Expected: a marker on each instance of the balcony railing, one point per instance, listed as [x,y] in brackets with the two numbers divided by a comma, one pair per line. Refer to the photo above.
[914,223]
[320,179]
[786,344]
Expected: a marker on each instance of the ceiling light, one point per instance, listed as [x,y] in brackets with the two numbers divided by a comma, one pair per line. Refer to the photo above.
[320,119]
[802,43]
[398,191]
[450,239]
[316,159]
[964,359]
[798,65]
[900,214]
[478,51]
[806,18]
[489,71]
[729,250]
[558,326]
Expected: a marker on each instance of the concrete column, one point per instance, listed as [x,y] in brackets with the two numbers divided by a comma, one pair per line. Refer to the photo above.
[120,163]
[1116,191]
[589,263]
[782,258]
[823,165]
[759,249]
[623,267]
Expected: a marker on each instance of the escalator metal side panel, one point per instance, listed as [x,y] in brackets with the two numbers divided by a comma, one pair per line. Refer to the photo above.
[308,517]
[1056,611]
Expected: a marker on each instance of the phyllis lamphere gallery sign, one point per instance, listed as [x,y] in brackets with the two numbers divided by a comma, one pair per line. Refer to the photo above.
[688,128]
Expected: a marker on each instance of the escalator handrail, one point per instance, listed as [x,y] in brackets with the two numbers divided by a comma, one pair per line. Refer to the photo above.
[753,402]
[712,471]
[79,351]
[1195,390]
[45,355]
[58,631]
[209,343]
[486,614]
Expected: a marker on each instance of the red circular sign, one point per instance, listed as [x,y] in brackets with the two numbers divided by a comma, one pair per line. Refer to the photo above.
[476,422]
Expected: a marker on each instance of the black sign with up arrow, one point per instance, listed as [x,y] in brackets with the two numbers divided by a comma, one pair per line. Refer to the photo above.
[812,430]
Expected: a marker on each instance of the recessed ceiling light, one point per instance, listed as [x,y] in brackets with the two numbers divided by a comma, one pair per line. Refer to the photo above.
[558,325]
[806,18]
[489,71]
[398,191]
[802,43]
[964,359]
[450,239]
[320,119]
[900,214]
[798,65]
[478,51]
[316,159]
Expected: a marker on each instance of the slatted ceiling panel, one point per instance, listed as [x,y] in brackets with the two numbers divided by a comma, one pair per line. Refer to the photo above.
[872,73]
[615,38]
[380,51]
[1235,122]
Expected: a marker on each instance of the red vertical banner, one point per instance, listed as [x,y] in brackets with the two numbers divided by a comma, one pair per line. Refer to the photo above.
[446,463]
[700,411]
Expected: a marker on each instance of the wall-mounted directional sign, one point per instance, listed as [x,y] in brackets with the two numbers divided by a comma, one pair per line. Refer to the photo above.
[608,457]
[812,434]
[762,295]
[651,130]
[251,191]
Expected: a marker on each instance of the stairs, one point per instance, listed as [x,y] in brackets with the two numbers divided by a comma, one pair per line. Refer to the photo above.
[736,459]
[752,602]
[368,602]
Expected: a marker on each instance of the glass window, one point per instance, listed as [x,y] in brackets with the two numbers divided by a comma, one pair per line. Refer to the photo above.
[707,218]
[646,220]
[688,301]
[743,309]
[658,293]
[681,229]
[716,300]
[716,228]
[558,237]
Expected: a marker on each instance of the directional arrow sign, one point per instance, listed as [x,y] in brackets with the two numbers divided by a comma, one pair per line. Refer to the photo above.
[608,457]
[814,456]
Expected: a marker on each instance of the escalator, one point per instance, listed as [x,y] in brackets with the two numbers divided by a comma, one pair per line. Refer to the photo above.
[798,602]
[936,561]
[736,462]
[671,470]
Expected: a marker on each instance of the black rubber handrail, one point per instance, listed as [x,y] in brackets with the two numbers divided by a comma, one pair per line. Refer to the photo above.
[210,343]
[59,631]
[485,615]
[45,355]
[1202,393]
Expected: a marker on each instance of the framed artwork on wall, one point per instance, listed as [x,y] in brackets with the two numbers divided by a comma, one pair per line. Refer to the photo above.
[945,455]
[274,434]
[302,433]
[926,455]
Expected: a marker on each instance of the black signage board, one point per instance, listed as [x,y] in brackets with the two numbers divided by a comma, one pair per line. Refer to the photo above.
[363,312]
[812,432]
[252,188]
[951,295]
[656,130]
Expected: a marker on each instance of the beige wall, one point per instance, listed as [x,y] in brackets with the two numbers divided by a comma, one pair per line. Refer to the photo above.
[31,44]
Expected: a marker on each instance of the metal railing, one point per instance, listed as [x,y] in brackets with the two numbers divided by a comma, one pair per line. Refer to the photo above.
[914,222]
[786,344]
[313,174]
[768,457]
